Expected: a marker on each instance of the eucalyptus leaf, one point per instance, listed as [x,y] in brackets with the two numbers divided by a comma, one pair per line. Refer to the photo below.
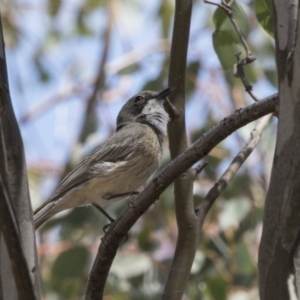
[70,263]
[166,14]
[263,10]
[54,6]
[67,274]
[226,41]
[217,288]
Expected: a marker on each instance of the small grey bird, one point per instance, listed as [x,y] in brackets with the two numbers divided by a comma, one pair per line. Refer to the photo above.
[121,165]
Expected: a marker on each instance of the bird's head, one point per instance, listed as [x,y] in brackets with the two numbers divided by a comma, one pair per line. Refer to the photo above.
[145,107]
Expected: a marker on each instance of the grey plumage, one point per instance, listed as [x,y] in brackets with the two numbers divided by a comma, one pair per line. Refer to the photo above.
[121,165]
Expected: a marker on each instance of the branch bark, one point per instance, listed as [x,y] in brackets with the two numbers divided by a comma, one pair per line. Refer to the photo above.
[19,277]
[219,187]
[281,222]
[187,239]
[118,230]
[9,229]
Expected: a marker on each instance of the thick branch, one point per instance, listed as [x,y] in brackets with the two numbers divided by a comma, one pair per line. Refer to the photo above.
[9,229]
[19,276]
[119,229]
[281,223]
[11,236]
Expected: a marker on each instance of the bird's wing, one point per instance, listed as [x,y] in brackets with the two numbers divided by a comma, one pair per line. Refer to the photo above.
[118,148]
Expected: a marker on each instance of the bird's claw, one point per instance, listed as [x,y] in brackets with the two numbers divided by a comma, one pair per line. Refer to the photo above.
[129,202]
[106,228]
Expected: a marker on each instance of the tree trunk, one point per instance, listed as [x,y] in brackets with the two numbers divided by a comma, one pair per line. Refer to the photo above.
[19,278]
[281,221]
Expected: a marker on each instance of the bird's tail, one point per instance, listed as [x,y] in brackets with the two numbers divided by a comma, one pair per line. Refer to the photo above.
[44,213]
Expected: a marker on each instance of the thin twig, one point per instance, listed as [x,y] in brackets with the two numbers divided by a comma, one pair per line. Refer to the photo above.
[239,67]
[232,169]
[239,72]
[112,67]
[199,168]
[228,10]
[92,99]
[42,106]
[119,229]
[100,80]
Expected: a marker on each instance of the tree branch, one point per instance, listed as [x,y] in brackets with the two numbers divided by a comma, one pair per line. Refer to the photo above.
[239,72]
[18,277]
[11,236]
[199,169]
[218,188]
[281,222]
[118,230]
[111,67]
[239,67]
[187,239]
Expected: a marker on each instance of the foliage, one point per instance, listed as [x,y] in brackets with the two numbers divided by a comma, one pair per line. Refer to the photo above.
[225,38]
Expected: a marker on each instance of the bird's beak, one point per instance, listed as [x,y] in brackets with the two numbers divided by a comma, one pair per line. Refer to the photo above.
[163,94]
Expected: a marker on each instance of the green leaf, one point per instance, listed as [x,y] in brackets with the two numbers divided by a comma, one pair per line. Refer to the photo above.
[144,238]
[130,69]
[239,185]
[42,71]
[263,10]
[70,264]
[243,260]
[93,4]
[82,28]
[192,70]
[250,222]
[217,288]
[153,85]
[68,272]
[225,38]
[166,12]
[272,77]
[11,31]
[54,6]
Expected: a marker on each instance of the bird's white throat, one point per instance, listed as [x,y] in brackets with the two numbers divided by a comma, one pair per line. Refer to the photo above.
[156,115]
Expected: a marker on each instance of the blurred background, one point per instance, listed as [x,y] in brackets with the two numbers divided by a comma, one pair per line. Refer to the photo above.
[72,64]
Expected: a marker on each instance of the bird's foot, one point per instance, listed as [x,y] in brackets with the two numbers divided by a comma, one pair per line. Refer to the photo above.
[106,229]
[130,200]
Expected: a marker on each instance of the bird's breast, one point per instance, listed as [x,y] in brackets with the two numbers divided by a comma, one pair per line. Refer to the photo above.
[131,173]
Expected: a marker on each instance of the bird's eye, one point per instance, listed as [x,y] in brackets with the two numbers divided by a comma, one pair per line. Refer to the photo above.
[138,99]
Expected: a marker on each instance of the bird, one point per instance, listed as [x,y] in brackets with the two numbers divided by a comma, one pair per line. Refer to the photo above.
[121,165]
